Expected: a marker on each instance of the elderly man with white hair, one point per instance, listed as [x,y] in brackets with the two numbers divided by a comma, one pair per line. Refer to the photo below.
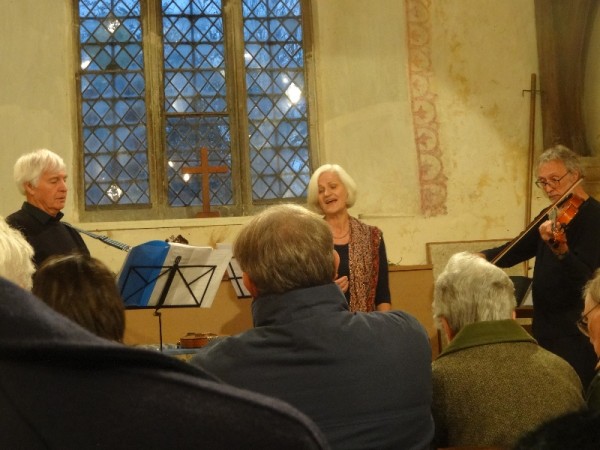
[493,382]
[42,178]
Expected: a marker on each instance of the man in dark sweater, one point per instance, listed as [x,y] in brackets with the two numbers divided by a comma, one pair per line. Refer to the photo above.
[364,378]
[41,176]
[565,258]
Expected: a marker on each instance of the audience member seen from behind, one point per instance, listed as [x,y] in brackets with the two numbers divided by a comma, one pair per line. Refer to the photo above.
[589,325]
[363,271]
[565,259]
[365,379]
[16,256]
[85,290]
[574,431]
[493,382]
[41,176]
[65,388]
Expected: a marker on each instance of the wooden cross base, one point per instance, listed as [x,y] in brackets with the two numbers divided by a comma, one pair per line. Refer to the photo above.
[205,170]
[204,214]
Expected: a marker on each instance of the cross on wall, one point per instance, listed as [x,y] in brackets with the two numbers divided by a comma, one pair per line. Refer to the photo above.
[205,170]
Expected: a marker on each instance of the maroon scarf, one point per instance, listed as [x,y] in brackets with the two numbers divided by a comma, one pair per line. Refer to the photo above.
[363,256]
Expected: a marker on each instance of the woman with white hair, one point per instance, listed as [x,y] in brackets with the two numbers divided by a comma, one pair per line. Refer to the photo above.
[363,270]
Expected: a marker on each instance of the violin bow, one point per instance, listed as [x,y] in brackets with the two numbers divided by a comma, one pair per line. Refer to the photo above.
[537,220]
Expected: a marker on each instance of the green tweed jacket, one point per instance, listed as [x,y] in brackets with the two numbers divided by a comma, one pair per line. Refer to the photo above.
[493,383]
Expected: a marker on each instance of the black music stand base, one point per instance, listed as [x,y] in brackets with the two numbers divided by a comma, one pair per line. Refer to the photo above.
[158,314]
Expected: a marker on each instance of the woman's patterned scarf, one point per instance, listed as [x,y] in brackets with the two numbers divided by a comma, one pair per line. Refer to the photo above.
[363,256]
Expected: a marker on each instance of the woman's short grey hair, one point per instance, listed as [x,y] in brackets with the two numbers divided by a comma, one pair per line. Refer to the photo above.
[313,186]
[561,153]
[471,289]
[29,167]
[286,247]
[16,256]
[592,288]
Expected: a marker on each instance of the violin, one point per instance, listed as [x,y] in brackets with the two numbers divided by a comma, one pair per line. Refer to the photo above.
[569,206]
[561,216]
[196,340]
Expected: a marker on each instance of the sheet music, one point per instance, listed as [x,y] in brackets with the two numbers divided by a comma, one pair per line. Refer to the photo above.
[204,280]
[234,271]
[195,281]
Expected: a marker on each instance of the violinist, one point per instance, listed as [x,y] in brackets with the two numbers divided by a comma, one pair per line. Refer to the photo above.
[565,242]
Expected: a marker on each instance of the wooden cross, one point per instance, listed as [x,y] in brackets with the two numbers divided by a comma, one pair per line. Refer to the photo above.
[205,170]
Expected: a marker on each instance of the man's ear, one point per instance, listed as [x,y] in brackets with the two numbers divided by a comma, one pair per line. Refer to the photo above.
[447,329]
[28,188]
[249,284]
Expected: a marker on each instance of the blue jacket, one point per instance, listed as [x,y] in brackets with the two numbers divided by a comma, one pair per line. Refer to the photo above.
[364,378]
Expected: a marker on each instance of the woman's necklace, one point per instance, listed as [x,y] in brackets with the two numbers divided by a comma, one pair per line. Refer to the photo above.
[337,238]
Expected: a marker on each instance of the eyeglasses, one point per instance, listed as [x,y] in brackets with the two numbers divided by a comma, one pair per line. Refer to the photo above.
[552,182]
[582,322]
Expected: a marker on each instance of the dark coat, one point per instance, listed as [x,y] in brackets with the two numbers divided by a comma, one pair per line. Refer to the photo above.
[64,388]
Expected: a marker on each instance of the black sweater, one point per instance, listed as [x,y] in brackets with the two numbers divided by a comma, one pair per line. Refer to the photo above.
[46,234]
[558,283]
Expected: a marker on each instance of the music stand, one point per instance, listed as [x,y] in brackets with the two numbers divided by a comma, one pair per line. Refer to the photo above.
[146,283]
[234,272]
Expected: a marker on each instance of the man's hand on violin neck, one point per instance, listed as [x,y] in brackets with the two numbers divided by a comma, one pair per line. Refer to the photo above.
[554,235]
[546,230]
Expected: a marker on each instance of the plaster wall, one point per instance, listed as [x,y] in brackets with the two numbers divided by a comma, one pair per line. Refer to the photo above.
[37,88]
[591,94]
[482,55]
[375,61]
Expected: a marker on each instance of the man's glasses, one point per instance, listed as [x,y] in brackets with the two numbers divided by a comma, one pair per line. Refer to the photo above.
[552,182]
[582,322]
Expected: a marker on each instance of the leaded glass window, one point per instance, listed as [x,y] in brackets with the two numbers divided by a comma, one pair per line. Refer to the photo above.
[160,79]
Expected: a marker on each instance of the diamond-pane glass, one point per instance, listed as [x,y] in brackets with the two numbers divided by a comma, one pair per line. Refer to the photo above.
[185,137]
[276,99]
[113,105]
[195,100]
[194,56]
[193,103]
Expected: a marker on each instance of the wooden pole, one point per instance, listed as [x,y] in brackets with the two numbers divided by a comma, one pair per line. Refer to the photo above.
[532,101]
[529,179]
